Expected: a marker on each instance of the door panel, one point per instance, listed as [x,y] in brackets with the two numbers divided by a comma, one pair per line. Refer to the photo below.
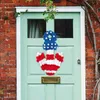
[34,90]
[50,92]
[64,92]
[69,72]
[67,65]
[33,67]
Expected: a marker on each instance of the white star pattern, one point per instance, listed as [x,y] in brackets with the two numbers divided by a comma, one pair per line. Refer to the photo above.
[51,43]
[46,38]
[51,46]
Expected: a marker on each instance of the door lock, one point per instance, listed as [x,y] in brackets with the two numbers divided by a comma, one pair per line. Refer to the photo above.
[79,61]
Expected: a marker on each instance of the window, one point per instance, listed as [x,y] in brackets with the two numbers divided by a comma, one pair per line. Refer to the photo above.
[64,28]
[36,28]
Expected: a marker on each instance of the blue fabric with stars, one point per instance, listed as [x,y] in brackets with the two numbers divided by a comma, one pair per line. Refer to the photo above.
[50,41]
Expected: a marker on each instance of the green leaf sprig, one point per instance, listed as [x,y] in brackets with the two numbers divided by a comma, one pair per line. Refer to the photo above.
[50,11]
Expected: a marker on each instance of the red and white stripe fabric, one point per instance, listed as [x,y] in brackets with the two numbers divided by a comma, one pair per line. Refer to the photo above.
[51,62]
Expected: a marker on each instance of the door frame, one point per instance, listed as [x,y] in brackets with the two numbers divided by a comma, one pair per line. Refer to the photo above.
[18,42]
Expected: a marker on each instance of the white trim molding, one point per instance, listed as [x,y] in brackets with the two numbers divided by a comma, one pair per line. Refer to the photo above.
[82,30]
[18,58]
[41,9]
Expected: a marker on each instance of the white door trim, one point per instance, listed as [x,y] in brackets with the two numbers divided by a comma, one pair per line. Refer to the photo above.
[18,48]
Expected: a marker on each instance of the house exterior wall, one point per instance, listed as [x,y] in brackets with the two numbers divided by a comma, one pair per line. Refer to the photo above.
[8,48]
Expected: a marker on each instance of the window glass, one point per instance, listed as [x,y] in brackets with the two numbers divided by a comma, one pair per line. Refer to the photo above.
[36,28]
[64,28]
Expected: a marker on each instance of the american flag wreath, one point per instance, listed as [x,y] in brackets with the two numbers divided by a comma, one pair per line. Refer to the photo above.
[50,62]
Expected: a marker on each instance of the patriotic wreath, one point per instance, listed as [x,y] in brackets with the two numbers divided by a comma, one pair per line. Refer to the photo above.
[50,62]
